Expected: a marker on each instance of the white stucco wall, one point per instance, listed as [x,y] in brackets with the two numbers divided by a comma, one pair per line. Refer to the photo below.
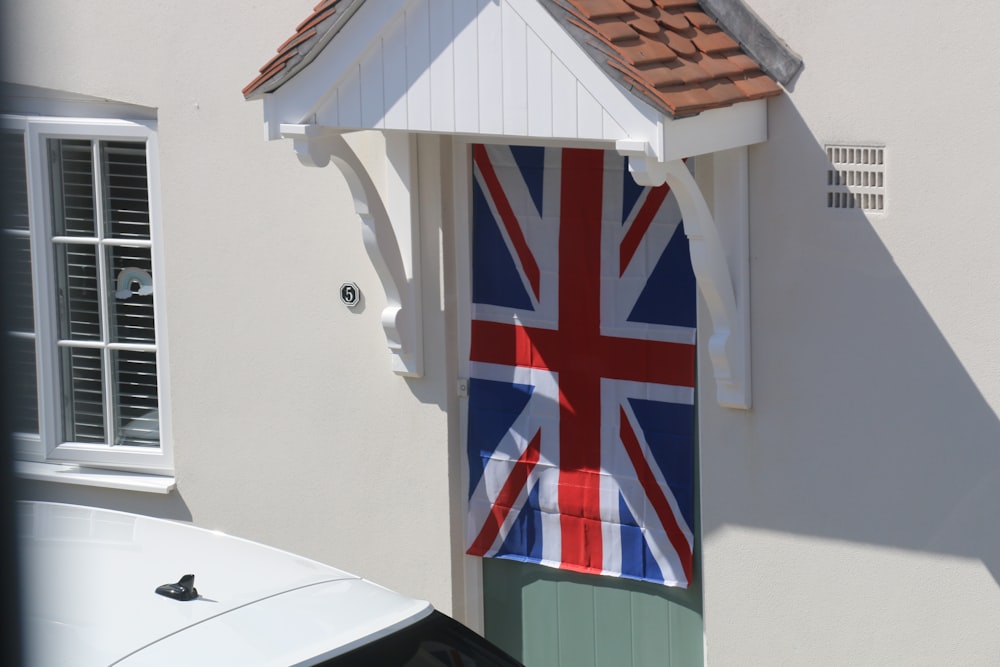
[289,426]
[849,518]
[852,516]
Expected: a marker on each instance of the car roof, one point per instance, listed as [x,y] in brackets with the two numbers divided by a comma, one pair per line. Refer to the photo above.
[89,595]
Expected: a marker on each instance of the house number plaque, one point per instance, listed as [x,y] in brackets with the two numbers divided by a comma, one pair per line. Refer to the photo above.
[350,294]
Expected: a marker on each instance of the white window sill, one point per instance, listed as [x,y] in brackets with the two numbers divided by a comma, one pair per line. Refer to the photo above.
[108,479]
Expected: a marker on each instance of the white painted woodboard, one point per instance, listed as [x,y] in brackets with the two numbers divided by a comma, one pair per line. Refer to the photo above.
[539,85]
[417,65]
[394,74]
[472,66]
[489,56]
[515,72]
[466,81]
[442,68]
[372,94]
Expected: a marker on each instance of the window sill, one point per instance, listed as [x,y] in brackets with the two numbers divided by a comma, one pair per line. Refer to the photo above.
[108,479]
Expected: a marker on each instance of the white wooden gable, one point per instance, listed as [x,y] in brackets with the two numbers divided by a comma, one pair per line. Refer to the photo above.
[507,71]
[502,68]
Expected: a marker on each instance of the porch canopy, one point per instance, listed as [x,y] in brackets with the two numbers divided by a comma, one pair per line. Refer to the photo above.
[659,81]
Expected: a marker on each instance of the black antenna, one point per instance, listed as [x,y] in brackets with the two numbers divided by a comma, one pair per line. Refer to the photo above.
[183,590]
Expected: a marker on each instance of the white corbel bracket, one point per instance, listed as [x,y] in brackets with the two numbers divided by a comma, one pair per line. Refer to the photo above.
[389,228]
[719,254]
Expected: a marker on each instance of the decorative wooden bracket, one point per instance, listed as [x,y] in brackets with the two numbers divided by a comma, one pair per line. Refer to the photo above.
[389,229]
[723,277]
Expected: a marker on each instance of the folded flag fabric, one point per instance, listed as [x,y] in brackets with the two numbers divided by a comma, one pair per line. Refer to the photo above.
[582,364]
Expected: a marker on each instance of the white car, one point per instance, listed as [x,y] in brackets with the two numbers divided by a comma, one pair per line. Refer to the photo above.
[109,588]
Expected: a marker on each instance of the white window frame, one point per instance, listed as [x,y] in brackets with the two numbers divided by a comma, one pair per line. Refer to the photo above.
[46,446]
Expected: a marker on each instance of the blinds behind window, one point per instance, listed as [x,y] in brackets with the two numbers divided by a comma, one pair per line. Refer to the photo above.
[107,328]
[17,285]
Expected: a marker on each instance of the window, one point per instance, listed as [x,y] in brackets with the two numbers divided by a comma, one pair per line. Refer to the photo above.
[79,229]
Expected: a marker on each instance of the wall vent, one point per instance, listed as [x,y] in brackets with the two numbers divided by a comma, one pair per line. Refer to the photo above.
[856,177]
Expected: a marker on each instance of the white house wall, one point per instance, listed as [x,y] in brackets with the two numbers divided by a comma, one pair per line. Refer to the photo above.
[484,67]
[289,427]
[851,518]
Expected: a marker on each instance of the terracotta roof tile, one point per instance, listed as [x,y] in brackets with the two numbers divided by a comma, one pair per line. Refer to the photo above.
[678,56]
[660,76]
[700,19]
[677,22]
[295,40]
[599,9]
[715,42]
[615,30]
[692,73]
[744,62]
[671,4]
[315,19]
[645,26]
[279,59]
[725,92]
[670,52]
[757,86]
[719,66]
[646,52]
[292,51]
[680,44]
[688,98]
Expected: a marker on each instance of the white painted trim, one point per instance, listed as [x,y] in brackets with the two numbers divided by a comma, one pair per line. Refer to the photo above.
[390,229]
[37,130]
[599,108]
[472,566]
[731,212]
[714,130]
[721,269]
[297,100]
[402,206]
[711,131]
[82,476]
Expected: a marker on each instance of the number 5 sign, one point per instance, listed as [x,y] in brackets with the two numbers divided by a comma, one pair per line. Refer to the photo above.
[350,294]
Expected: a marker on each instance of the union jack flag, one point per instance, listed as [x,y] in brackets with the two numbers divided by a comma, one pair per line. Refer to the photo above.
[582,365]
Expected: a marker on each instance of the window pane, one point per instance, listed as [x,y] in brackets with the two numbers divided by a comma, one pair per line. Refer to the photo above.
[73,187]
[79,312]
[17,283]
[14,182]
[16,244]
[131,304]
[23,385]
[15,260]
[82,395]
[126,197]
[138,405]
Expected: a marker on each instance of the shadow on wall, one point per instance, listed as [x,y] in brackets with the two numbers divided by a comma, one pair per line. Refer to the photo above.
[866,426]
[170,506]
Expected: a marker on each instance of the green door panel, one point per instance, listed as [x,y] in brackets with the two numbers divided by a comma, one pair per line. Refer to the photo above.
[554,618]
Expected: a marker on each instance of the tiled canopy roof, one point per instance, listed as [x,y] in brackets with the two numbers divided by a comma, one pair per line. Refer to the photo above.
[670,52]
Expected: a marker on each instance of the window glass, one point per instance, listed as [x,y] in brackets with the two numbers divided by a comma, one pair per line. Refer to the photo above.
[72,187]
[126,195]
[76,232]
[83,394]
[436,641]
[16,253]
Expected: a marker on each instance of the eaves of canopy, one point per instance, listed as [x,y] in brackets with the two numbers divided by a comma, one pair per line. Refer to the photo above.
[657,80]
